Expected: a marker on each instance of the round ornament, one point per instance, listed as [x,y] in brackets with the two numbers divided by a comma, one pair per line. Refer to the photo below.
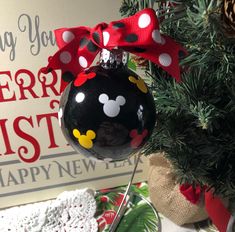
[229,11]
[228,16]
[107,112]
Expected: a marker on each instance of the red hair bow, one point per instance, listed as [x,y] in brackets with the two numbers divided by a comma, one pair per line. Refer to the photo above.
[138,34]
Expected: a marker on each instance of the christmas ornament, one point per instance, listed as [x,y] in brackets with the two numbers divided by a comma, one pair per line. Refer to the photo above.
[107,111]
[229,11]
[228,14]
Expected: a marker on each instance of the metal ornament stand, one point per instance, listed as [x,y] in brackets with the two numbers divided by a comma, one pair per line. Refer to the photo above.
[114,59]
[126,199]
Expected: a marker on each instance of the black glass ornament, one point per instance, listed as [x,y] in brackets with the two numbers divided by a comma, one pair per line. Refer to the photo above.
[107,112]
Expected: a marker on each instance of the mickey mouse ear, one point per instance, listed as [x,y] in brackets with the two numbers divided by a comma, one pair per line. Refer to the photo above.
[133,133]
[120,100]
[132,79]
[76,133]
[103,98]
[90,134]
[145,133]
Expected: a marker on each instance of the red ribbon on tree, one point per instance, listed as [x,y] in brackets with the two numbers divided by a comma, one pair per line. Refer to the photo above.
[138,34]
[215,208]
[191,193]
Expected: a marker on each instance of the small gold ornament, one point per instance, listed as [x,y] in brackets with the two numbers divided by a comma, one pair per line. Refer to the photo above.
[228,15]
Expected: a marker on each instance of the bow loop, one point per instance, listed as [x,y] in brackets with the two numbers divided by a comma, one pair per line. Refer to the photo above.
[98,34]
[138,34]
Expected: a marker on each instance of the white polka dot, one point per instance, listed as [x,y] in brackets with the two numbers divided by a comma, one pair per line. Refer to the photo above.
[144,20]
[67,36]
[65,57]
[106,37]
[165,59]
[82,61]
[156,36]
[80,97]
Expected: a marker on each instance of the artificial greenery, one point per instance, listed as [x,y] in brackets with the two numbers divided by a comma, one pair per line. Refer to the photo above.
[139,214]
[140,218]
[196,117]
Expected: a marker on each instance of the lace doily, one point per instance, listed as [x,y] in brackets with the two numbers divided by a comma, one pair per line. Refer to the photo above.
[69,212]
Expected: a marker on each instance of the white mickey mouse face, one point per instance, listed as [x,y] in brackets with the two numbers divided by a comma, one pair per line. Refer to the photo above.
[111,107]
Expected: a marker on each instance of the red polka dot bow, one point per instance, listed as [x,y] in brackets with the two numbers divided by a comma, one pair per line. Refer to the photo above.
[138,34]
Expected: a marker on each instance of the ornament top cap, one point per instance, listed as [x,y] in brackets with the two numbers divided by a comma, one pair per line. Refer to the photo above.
[114,58]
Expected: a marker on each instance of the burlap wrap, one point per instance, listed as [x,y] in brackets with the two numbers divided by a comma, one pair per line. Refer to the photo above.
[165,194]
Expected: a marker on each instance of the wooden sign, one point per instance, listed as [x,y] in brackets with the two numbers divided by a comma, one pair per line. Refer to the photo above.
[36,163]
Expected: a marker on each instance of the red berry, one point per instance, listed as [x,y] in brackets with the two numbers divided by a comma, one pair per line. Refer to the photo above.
[104,199]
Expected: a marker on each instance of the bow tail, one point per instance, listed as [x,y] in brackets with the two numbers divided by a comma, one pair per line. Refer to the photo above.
[60,62]
[67,60]
[63,85]
[167,59]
